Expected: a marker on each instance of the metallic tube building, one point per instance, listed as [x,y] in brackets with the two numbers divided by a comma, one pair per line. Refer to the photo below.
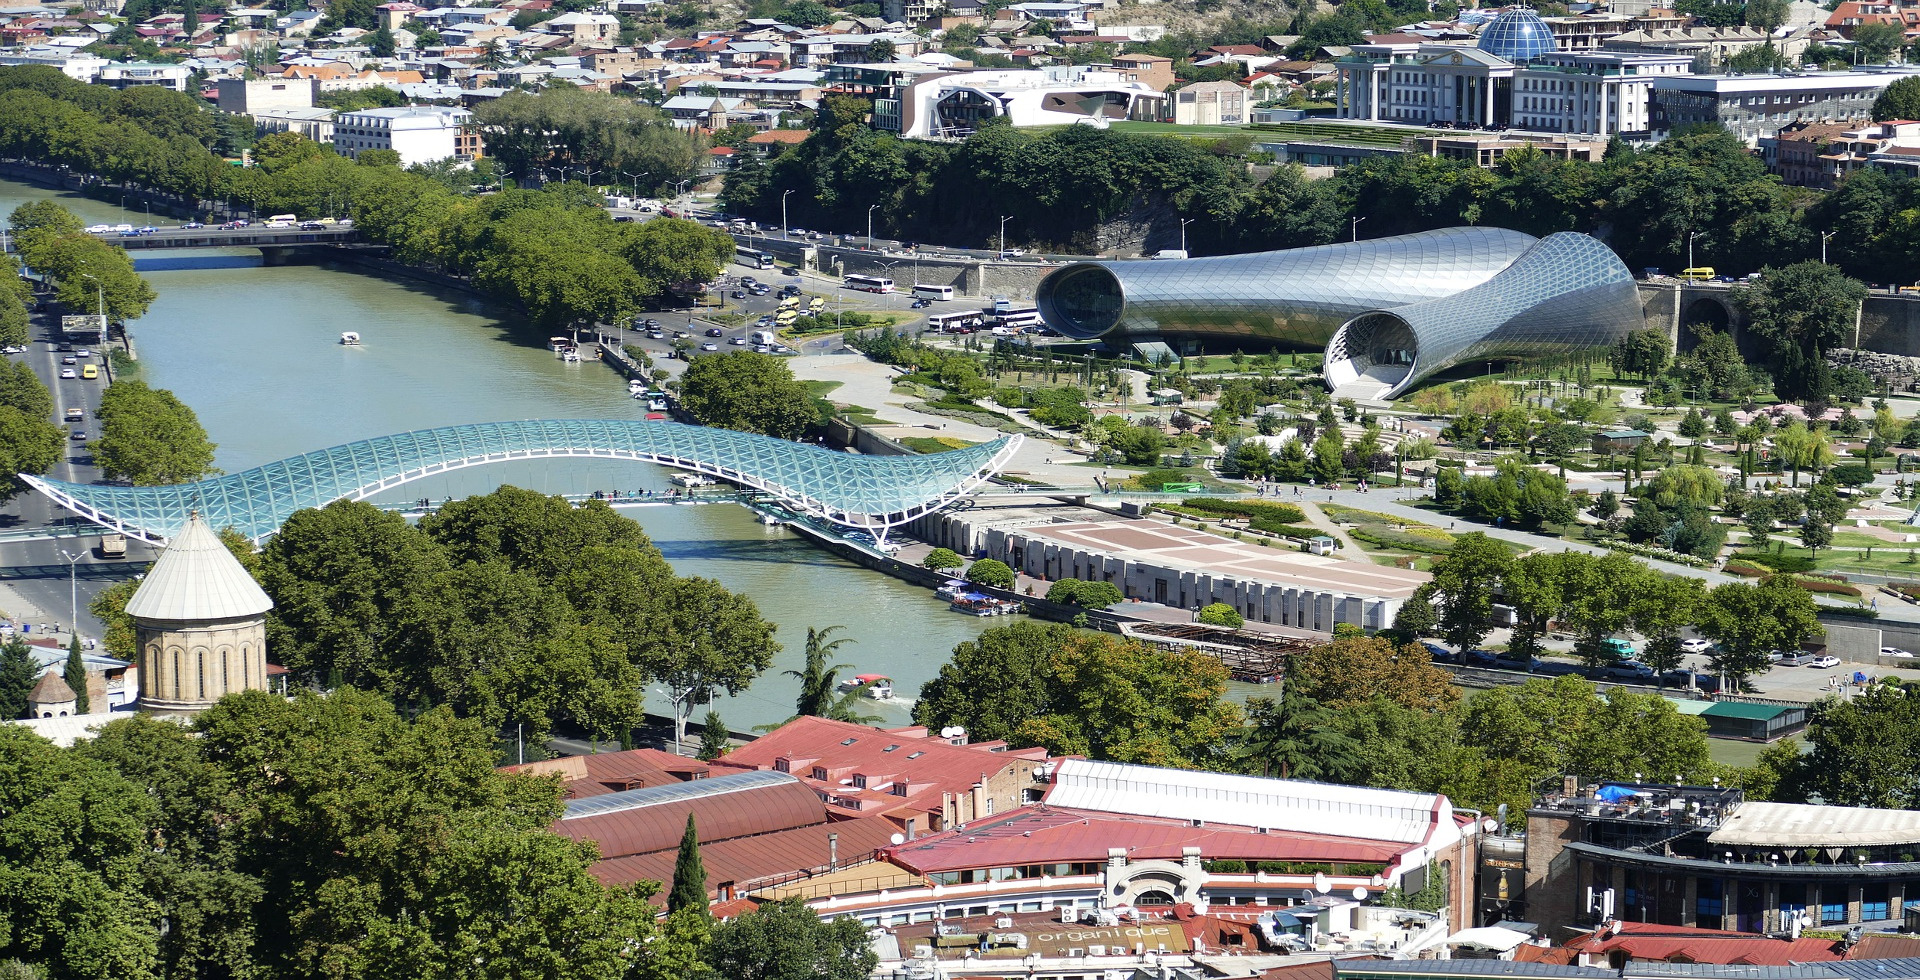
[1295,297]
[1568,292]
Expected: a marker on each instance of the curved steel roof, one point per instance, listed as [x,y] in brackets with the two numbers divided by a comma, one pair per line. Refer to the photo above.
[844,488]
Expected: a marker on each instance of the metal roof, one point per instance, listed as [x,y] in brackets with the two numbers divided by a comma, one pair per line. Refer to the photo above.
[1760,824]
[196,579]
[699,789]
[843,488]
[1749,710]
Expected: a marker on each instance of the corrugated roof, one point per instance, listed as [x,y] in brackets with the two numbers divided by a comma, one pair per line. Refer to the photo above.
[1756,824]
[1352,812]
[700,789]
[749,858]
[645,820]
[197,579]
[1746,709]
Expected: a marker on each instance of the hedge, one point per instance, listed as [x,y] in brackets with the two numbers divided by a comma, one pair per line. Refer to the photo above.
[1773,562]
[1284,513]
[1433,543]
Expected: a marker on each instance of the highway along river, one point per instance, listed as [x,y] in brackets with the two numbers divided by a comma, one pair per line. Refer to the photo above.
[255,351]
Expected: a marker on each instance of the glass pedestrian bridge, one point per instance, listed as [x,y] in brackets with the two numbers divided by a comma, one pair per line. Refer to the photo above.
[872,492]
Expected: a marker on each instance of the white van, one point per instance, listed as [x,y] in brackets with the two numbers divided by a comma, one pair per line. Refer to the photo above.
[763,337]
[282,221]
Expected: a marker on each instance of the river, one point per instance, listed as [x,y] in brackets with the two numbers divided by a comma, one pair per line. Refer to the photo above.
[254,351]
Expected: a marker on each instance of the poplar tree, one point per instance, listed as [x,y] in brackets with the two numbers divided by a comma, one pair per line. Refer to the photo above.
[76,677]
[689,876]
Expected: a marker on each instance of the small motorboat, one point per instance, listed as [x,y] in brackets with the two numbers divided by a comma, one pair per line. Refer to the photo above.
[558,344]
[570,355]
[349,339]
[693,481]
[952,589]
[975,604]
[877,686]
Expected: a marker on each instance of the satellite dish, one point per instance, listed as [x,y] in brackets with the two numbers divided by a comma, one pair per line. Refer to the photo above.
[898,838]
[1359,893]
[1321,884]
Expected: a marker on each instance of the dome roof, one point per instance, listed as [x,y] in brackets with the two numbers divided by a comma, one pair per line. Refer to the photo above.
[1517,35]
[197,579]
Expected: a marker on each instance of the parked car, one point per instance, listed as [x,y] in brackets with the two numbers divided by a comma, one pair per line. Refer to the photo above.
[1825,661]
[1895,652]
[1695,645]
[1689,679]
[1795,660]
[1479,658]
[1512,661]
[1628,670]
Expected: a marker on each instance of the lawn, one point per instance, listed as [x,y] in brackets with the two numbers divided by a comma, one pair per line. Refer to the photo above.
[933,444]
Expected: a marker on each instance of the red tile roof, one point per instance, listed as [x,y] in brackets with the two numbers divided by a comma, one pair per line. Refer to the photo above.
[1057,835]
[882,759]
[1679,944]
[1884,946]
[789,136]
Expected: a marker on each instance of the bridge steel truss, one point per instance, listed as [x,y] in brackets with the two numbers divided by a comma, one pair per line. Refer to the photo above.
[876,493]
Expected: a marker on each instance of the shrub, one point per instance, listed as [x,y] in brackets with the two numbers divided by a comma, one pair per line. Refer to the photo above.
[1748,569]
[1775,563]
[1221,614]
[1430,542]
[940,559]
[986,571]
[1284,513]
[1826,586]
[1077,592]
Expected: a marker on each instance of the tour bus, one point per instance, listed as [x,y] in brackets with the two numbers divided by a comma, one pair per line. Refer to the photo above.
[870,284]
[932,292]
[1702,274]
[752,257]
[1019,317]
[963,321]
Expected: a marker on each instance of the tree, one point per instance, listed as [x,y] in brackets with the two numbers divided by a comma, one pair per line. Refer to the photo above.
[819,683]
[1694,425]
[75,674]
[1294,737]
[1353,670]
[1767,15]
[668,252]
[44,217]
[1899,100]
[1863,752]
[18,673]
[1801,447]
[1877,42]
[1816,534]
[1465,580]
[1114,698]
[689,876]
[941,559]
[1221,614]
[1803,310]
[880,52]
[150,437]
[747,392]
[715,740]
[786,940]
[704,636]
[1749,620]
[14,321]
[380,43]
[994,683]
[990,572]
[1661,608]
[1092,595]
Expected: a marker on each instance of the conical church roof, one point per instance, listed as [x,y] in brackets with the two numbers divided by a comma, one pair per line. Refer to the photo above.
[51,689]
[197,578]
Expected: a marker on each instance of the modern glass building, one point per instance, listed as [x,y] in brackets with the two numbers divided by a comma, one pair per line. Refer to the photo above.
[1463,294]
[1519,36]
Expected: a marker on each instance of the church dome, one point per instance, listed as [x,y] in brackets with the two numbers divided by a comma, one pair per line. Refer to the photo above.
[1517,35]
[196,579]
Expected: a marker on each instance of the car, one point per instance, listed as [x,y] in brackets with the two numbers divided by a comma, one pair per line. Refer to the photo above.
[148,230]
[762,349]
[737,294]
[1896,653]
[791,271]
[657,334]
[1628,670]
[13,350]
[623,217]
[1695,645]
[1617,648]
[919,304]
[129,234]
[70,359]
[738,341]
[312,226]
[1479,658]
[681,335]
[748,280]
[235,225]
[83,353]
[1689,679]
[89,372]
[68,374]
[1795,660]
[1775,656]
[78,435]
[709,346]
[99,229]
[1513,661]
[64,348]
[760,289]
[716,332]
[192,226]
[123,226]
[1825,661]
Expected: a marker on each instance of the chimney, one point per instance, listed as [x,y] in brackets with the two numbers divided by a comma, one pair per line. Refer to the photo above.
[833,851]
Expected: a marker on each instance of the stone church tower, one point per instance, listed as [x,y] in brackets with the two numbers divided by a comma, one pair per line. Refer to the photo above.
[201,622]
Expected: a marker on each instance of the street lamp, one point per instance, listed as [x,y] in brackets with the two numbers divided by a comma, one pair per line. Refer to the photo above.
[1690,237]
[1003,233]
[870,226]
[1823,245]
[636,180]
[1356,228]
[73,587]
[783,213]
[1184,222]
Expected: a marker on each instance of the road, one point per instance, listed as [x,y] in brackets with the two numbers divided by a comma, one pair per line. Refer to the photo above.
[35,582]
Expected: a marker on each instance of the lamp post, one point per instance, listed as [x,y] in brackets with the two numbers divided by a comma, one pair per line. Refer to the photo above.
[1184,222]
[1690,237]
[870,226]
[73,587]
[1003,233]
[635,178]
[783,213]
[591,174]
[1355,232]
[1823,245]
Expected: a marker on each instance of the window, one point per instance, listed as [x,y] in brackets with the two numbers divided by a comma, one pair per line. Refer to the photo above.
[1710,901]
[819,772]
[915,755]
[1833,904]
[1873,901]
[890,748]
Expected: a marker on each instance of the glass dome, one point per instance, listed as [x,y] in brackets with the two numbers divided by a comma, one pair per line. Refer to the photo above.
[1517,35]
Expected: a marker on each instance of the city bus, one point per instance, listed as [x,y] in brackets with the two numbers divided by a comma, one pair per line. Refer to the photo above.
[752,257]
[1018,317]
[963,320]
[870,284]
[921,291]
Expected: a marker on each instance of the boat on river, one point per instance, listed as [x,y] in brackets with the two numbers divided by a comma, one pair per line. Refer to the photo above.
[558,344]
[349,339]
[876,686]
[975,604]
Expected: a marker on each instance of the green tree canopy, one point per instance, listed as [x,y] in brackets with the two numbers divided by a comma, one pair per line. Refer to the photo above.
[747,392]
[1803,310]
[150,437]
[1899,100]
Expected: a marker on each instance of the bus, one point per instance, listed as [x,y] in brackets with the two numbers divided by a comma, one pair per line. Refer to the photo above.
[1019,317]
[1702,274]
[960,322]
[752,257]
[870,284]
[932,292]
